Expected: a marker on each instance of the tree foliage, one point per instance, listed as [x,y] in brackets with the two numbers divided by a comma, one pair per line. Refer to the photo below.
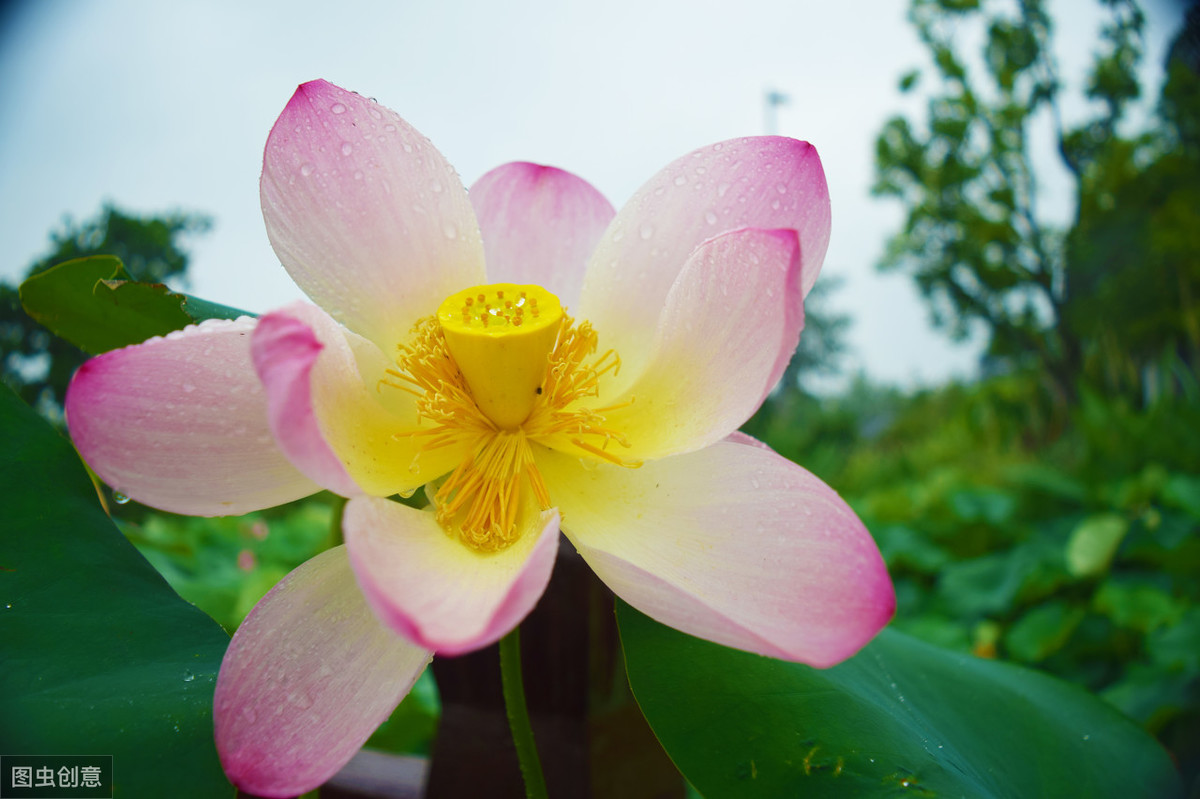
[37,364]
[975,239]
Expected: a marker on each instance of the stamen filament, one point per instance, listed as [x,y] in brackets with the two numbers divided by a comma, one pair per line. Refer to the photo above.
[481,501]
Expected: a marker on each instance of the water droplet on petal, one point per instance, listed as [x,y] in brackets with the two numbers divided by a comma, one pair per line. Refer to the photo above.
[337,108]
[358,175]
[188,387]
[646,232]
[450,230]
[436,186]
[680,180]
[306,169]
[347,148]
[781,188]
[188,676]
[375,113]
[119,498]
[710,217]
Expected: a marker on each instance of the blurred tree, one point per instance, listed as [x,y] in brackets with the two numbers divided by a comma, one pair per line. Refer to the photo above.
[974,239]
[38,365]
[1134,252]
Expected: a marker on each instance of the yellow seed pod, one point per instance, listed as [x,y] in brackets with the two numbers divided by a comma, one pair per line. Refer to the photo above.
[501,336]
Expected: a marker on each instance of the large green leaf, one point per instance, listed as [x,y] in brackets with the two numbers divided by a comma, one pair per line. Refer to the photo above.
[902,718]
[94,304]
[99,655]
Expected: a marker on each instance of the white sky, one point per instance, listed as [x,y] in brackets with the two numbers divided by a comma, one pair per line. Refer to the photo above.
[162,105]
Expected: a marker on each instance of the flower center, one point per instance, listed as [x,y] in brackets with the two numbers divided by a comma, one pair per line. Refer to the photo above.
[499,369]
[500,336]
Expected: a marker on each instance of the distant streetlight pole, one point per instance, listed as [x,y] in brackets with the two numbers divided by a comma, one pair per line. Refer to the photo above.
[774,99]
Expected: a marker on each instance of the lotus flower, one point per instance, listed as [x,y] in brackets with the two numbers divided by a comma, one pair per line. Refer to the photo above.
[590,379]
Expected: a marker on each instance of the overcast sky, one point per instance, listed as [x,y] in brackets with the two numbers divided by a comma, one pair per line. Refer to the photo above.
[158,106]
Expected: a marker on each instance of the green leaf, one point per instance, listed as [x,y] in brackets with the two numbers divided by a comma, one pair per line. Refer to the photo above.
[902,718]
[100,656]
[1042,631]
[94,304]
[1093,543]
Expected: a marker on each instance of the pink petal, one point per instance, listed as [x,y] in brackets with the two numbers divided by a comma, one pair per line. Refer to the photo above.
[539,225]
[285,351]
[307,678]
[180,423]
[728,327]
[332,412]
[366,215]
[733,544]
[765,182]
[738,437]
[435,590]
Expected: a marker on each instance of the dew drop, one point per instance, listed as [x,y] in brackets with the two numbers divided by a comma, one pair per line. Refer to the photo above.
[775,204]
[119,498]
[436,186]
[680,180]
[722,188]
[188,387]
[375,113]
[450,230]
[337,108]
[358,175]
[188,676]
[390,128]
[407,147]
[781,188]
[710,217]
[346,148]
[306,169]
[646,232]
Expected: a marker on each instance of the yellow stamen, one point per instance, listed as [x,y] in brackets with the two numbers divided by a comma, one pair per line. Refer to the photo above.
[524,386]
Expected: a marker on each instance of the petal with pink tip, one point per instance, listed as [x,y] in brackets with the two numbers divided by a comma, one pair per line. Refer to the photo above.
[365,214]
[180,423]
[285,351]
[438,592]
[539,225]
[733,544]
[763,182]
[334,411]
[730,323]
[307,678]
